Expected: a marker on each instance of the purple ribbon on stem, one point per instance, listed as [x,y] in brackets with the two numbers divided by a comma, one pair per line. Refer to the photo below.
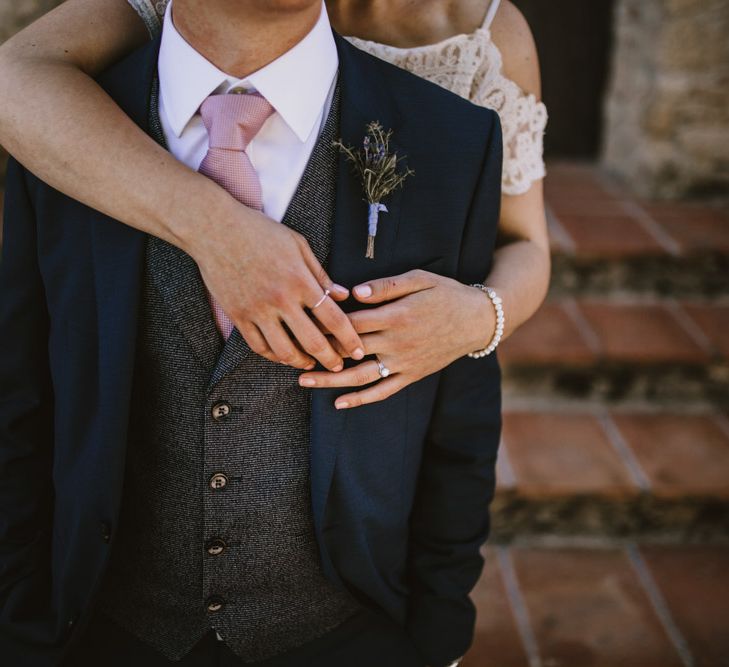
[372,220]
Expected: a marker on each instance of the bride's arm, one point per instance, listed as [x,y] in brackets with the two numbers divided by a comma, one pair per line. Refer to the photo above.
[62,126]
[522,264]
[57,121]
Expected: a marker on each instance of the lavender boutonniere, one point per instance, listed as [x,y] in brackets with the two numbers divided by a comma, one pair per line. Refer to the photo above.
[379,172]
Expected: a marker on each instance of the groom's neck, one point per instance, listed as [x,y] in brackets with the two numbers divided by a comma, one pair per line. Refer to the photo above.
[241,36]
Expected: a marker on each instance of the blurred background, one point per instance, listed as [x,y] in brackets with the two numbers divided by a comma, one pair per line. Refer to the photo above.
[611,522]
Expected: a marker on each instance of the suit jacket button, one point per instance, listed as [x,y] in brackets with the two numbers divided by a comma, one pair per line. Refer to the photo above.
[218,481]
[105,531]
[216,547]
[72,622]
[220,411]
[214,604]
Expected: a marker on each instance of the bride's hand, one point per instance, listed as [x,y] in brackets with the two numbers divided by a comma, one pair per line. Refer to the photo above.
[427,322]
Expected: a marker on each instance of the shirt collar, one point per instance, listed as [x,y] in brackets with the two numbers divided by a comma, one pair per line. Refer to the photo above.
[296,84]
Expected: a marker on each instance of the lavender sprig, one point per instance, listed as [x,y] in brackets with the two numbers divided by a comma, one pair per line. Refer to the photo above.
[378,171]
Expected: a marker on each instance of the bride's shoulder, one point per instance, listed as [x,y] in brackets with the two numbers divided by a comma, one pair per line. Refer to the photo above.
[510,32]
[151,12]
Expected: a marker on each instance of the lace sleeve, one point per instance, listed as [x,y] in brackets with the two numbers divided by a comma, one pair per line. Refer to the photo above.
[523,120]
[151,12]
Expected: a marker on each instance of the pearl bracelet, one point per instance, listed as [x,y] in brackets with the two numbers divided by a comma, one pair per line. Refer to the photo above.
[496,300]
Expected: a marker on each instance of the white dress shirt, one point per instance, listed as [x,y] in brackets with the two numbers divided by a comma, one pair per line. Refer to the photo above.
[299,85]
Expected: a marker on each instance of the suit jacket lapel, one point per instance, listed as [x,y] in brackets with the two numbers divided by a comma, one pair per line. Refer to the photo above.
[118,268]
[118,256]
[363,101]
[174,274]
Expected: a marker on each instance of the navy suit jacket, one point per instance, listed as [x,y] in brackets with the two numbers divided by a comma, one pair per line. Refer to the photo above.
[400,488]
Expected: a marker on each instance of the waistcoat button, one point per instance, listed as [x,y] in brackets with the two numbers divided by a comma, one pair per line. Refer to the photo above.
[216,547]
[215,604]
[220,410]
[218,481]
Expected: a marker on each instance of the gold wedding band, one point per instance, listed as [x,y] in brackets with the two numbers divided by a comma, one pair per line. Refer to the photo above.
[327,292]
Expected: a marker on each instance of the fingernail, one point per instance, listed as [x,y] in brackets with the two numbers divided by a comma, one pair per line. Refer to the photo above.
[338,368]
[339,405]
[339,288]
[310,367]
[363,290]
[358,354]
[307,382]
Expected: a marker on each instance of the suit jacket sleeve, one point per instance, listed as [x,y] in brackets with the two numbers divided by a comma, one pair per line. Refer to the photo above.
[450,519]
[26,423]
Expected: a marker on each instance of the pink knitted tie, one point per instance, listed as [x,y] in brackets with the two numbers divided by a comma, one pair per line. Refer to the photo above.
[232,121]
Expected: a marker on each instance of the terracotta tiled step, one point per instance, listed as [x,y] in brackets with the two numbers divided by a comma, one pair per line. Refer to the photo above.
[613,473]
[695,586]
[631,605]
[498,642]
[621,351]
[604,240]
[694,227]
[714,324]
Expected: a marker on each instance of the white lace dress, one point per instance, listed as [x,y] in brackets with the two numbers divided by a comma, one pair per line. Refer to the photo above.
[469,65]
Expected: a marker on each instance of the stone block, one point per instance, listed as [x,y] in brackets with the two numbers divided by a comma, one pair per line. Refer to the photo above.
[667,108]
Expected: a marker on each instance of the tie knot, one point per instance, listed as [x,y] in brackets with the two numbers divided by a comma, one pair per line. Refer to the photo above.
[233,120]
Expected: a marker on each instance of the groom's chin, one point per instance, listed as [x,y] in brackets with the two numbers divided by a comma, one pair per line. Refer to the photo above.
[273,6]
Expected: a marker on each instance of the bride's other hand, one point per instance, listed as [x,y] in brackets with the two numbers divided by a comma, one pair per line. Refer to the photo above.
[425,322]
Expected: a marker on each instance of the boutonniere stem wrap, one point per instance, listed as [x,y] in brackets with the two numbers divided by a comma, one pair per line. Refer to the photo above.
[379,172]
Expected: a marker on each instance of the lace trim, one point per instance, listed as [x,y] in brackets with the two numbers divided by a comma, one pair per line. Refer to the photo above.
[151,12]
[469,65]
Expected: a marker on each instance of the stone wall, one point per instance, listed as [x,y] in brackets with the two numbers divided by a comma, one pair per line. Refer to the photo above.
[667,108]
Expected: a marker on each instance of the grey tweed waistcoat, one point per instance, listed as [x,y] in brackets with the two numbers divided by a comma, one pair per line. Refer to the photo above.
[216,528]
